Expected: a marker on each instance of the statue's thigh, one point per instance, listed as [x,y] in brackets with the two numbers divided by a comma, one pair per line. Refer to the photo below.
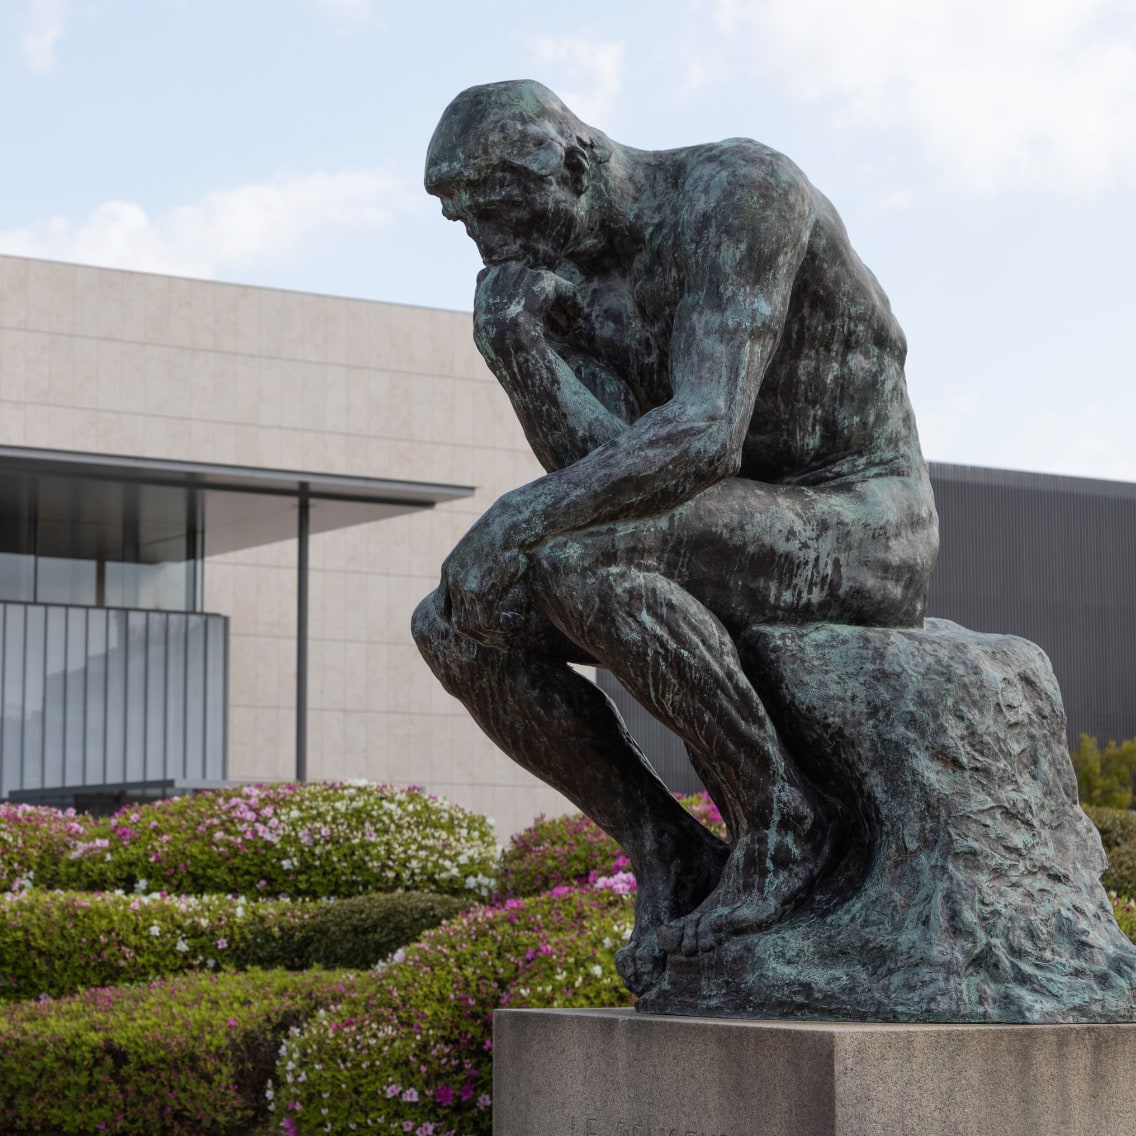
[753,552]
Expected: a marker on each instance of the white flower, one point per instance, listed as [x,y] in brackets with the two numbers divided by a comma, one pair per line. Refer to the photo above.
[181,945]
[155,930]
[597,970]
[140,886]
[286,865]
[211,963]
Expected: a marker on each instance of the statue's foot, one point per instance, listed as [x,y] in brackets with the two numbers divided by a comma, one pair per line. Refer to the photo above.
[767,875]
[669,887]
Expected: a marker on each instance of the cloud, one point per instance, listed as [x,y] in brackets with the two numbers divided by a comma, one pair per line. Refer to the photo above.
[357,9]
[46,23]
[997,93]
[591,72]
[227,229]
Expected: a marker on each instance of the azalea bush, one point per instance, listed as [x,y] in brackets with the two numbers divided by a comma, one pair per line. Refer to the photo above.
[188,1056]
[1125,911]
[311,840]
[575,850]
[356,932]
[410,1050]
[33,841]
[58,943]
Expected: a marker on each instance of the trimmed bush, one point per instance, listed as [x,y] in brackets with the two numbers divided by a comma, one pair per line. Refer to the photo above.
[33,841]
[410,1049]
[572,849]
[300,841]
[556,852]
[1105,778]
[1117,828]
[58,943]
[1125,911]
[182,1057]
[358,932]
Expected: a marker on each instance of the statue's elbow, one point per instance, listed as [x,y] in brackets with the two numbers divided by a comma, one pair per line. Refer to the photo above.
[729,464]
[723,454]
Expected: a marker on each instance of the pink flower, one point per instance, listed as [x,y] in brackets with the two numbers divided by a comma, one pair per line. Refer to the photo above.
[393,1091]
[484,1101]
[466,1092]
[222,944]
[411,1095]
[444,1095]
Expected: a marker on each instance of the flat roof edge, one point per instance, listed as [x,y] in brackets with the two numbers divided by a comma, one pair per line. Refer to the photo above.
[1024,479]
[232,478]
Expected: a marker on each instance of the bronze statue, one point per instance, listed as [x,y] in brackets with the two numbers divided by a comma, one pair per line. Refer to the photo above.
[714,382]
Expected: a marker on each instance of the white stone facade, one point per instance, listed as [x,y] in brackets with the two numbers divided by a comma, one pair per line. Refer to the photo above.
[109,362]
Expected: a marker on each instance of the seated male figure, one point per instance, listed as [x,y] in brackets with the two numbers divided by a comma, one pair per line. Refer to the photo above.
[714,382]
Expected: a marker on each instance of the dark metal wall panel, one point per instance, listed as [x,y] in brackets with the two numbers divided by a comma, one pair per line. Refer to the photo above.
[664,749]
[1052,559]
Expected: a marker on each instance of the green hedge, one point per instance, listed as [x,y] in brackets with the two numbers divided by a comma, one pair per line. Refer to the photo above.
[58,943]
[358,932]
[410,1050]
[1118,834]
[301,841]
[183,1057]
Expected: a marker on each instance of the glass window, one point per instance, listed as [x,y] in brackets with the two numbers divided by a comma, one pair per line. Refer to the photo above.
[17,538]
[100,543]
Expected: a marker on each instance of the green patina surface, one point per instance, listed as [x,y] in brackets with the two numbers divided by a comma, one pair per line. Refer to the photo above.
[714,384]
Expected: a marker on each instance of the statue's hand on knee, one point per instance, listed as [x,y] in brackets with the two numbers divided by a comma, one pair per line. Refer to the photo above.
[480,594]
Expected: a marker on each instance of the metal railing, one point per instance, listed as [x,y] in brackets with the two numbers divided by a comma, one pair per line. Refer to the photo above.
[108,696]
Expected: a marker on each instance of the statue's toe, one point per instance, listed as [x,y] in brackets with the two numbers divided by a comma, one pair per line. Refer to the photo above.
[641,963]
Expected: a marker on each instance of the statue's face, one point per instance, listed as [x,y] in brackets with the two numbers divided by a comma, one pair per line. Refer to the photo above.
[514,214]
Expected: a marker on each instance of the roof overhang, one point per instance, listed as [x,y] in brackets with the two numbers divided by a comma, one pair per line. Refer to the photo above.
[245,506]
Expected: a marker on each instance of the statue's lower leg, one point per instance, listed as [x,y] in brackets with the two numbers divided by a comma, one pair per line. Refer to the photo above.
[679,661]
[564,729]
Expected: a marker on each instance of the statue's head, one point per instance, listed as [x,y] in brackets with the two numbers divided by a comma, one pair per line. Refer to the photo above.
[514,164]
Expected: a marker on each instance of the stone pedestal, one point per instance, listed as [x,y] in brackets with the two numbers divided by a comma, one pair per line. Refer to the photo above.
[618,1073]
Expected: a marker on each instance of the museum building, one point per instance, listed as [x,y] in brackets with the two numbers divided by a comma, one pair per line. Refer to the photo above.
[220,504]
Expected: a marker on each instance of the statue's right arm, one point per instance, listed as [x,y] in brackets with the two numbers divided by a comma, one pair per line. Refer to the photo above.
[566,408]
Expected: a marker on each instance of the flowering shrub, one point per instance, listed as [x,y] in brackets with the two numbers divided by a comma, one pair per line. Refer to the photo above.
[33,839]
[574,850]
[1125,912]
[183,1057]
[60,942]
[314,840]
[410,1049]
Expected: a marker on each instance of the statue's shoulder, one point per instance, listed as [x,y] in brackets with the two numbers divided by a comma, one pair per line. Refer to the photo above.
[736,181]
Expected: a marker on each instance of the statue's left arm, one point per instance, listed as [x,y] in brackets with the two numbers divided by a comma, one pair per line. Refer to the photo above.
[743,229]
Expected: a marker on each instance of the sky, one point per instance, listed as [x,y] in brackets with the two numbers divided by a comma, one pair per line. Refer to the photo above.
[981,152]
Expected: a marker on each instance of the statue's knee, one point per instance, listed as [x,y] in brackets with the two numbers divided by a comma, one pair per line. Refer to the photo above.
[554,568]
[429,629]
